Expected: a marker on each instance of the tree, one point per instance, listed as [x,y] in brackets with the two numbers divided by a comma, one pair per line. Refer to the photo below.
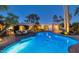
[57,18]
[12,19]
[1,17]
[76,11]
[61,18]
[66,19]
[32,18]
[3,7]
[70,17]
[75,26]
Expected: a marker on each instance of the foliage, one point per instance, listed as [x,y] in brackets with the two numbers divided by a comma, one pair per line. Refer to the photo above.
[11,19]
[57,18]
[3,7]
[76,27]
[32,18]
[76,11]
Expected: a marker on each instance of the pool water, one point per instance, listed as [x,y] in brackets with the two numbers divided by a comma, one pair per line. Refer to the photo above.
[43,42]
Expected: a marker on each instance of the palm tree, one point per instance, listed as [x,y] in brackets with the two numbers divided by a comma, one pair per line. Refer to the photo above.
[70,16]
[66,19]
[32,18]
[76,11]
[3,7]
[76,24]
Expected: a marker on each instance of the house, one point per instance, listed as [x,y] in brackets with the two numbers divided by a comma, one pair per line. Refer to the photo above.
[47,27]
[56,28]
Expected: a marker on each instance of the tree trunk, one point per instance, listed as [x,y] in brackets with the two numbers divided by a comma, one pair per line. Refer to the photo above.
[66,19]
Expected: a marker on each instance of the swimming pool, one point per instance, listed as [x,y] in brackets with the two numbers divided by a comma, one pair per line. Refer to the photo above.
[43,42]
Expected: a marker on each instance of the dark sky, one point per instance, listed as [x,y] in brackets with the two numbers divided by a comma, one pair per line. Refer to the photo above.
[44,11]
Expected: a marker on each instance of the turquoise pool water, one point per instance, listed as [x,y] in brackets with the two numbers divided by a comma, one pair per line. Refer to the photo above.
[43,42]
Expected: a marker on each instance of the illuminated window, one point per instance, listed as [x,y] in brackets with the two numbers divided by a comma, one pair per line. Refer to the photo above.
[21,28]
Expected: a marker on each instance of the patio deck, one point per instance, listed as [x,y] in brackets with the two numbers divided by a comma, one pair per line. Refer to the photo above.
[74,48]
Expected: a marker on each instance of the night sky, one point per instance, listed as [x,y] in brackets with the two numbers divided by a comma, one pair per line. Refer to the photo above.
[45,12]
